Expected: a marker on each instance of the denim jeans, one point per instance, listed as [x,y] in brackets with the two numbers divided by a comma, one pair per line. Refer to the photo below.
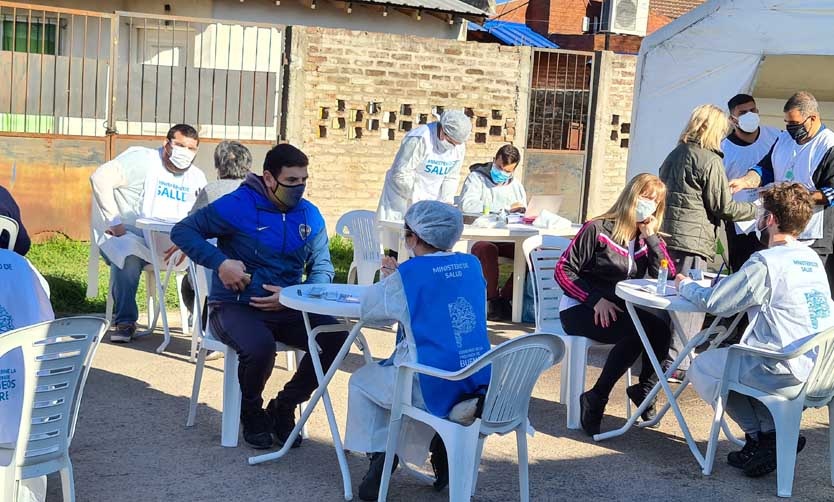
[124,282]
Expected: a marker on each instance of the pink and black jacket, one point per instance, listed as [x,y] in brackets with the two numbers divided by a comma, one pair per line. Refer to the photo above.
[593,264]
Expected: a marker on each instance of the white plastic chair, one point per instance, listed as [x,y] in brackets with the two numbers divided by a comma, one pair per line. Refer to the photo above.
[542,255]
[817,392]
[231,386]
[11,227]
[516,366]
[359,227]
[57,357]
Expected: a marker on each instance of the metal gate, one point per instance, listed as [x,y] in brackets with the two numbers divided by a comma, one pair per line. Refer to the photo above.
[558,126]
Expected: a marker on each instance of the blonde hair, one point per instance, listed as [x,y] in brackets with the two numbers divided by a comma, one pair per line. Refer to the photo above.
[623,210]
[708,126]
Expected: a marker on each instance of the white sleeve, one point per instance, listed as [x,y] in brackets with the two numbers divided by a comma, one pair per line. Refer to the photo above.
[449,187]
[107,178]
[385,301]
[735,293]
[410,156]
[471,196]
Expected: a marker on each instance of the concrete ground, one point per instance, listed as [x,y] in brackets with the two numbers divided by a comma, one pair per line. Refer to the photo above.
[132,444]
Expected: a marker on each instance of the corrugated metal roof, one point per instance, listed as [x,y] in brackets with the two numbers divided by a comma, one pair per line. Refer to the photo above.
[514,34]
[451,6]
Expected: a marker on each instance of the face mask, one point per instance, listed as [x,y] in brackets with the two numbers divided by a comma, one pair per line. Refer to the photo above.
[181,157]
[498,175]
[797,131]
[763,233]
[749,122]
[289,195]
[645,208]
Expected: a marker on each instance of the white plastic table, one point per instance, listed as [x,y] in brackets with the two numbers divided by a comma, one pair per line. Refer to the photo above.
[516,233]
[297,297]
[631,292]
[154,227]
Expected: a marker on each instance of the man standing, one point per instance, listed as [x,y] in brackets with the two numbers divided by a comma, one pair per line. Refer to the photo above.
[427,167]
[159,183]
[743,148]
[268,236]
[804,153]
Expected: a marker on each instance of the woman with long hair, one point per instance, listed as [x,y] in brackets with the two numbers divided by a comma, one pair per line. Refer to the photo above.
[698,199]
[621,244]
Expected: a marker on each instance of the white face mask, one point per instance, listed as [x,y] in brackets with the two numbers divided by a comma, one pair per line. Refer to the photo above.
[749,122]
[645,208]
[181,157]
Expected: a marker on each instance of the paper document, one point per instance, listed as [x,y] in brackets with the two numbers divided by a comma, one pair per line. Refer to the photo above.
[671,290]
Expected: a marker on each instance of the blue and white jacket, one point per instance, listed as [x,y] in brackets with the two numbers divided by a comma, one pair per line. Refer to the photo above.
[276,247]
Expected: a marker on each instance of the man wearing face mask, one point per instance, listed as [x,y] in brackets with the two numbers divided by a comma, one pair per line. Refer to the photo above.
[427,167]
[491,186]
[159,183]
[267,235]
[804,153]
[748,143]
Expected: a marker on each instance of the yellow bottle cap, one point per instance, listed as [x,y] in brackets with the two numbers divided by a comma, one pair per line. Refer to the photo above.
[664,263]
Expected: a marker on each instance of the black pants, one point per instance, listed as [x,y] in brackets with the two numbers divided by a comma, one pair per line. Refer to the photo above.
[252,333]
[579,321]
[740,246]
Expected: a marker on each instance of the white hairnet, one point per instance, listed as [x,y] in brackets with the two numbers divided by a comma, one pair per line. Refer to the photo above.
[456,125]
[437,223]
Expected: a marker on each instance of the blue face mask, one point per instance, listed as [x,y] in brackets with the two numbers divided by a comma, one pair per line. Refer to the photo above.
[498,175]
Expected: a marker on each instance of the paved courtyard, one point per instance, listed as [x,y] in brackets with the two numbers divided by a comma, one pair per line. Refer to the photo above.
[132,444]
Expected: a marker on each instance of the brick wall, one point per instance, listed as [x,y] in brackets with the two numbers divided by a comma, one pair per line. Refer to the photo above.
[357,94]
[611,131]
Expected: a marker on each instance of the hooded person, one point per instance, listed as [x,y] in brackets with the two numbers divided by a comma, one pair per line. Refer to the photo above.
[427,167]
[268,237]
[446,332]
[491,186]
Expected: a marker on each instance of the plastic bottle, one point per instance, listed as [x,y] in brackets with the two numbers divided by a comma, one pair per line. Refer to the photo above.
[662,276]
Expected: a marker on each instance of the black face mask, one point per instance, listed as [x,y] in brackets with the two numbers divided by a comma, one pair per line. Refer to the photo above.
[797,131]
[289,195]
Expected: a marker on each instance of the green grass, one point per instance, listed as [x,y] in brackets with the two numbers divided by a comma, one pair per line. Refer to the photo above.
[63,262]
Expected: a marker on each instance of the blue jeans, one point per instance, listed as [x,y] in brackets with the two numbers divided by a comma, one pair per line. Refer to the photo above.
[124,282]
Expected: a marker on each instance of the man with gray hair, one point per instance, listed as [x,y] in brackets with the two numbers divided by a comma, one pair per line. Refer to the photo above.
[804,153]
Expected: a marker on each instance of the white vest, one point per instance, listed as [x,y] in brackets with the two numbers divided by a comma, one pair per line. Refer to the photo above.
[437,166]
[740,159]
[25,303]
[799,306]
[794,162]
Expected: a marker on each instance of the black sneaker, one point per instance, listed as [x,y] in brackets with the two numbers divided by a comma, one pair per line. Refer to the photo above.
[637,393]
[499,309]
[283,422]
[591,409]
[739,459]
[439,463]
[123,333]
[369,487]
[257,428]
[763,460]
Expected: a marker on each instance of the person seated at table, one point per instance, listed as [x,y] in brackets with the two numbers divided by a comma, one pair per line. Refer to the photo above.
[159,183]
[789,278]
[621,244]
[491,186]
[10,209]
[439,298]
[268,236]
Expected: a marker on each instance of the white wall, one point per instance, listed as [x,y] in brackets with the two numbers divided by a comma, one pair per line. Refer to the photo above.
[771,112]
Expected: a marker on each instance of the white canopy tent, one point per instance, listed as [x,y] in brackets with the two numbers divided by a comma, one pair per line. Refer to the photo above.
[767,48]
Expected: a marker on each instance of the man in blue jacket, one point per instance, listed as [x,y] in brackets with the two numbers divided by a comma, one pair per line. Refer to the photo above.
[267,237]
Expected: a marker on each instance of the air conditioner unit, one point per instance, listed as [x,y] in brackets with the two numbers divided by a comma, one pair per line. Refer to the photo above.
[628,17]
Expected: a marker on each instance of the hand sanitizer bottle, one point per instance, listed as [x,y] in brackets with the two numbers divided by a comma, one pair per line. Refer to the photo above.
[662,276]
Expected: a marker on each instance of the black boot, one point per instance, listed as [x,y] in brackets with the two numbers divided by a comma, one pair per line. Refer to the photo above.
[439,463]
[591,409]
[499,309]
[763,460]
[637,393]
[369,488]
[257,428]
[739,459]
[283,421]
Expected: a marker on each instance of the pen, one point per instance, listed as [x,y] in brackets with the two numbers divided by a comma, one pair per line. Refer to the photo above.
[718,275]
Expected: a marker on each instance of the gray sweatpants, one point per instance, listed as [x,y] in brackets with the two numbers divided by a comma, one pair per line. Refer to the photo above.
[750,414]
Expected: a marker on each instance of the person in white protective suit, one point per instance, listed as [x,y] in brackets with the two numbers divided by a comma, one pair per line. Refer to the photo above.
[159,183]
[784,290]
[427,167]
[440,301]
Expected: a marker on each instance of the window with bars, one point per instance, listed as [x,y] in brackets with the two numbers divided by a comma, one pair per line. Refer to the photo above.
[34,37]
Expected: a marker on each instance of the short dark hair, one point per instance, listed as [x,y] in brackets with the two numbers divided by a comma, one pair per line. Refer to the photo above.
[803,101]
[508,154]
[791,204]
[739,99]
[184,129]
[284,155]
[232,160]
